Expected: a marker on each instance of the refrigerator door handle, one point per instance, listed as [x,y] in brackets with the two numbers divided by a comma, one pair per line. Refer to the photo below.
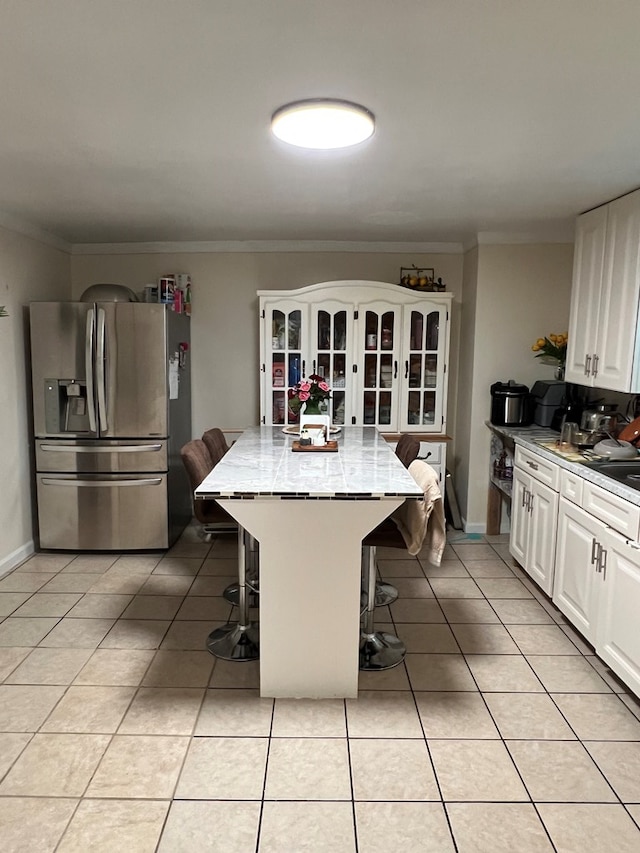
[112,484]
[125,448]
[100,370]
[88,364]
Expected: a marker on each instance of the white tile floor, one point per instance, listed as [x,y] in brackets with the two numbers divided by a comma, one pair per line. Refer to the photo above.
[501,732]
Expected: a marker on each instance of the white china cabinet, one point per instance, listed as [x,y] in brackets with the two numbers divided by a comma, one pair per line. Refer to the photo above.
[603,348]
[381,348]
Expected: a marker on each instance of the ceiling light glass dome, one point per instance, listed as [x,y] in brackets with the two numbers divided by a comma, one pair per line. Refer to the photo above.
[322,123]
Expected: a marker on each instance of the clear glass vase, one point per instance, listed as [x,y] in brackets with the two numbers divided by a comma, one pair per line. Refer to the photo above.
[553,362]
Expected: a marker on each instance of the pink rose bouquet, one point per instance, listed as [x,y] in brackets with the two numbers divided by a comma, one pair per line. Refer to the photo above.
[312,390]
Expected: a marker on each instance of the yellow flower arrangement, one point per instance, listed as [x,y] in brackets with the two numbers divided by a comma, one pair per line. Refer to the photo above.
[552,348]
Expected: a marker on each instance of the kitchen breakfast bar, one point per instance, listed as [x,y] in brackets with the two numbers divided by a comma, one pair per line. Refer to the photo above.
[309,511]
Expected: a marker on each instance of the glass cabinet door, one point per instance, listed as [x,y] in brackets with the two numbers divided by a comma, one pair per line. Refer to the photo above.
[331,353]
[284,362]
[423,368]
[378,344]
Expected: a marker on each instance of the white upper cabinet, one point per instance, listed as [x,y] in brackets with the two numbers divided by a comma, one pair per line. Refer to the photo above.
[588,263]
[381,348]
[603,349]
[617,330]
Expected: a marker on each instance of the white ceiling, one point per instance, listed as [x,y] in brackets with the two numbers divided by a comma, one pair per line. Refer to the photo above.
[148,120]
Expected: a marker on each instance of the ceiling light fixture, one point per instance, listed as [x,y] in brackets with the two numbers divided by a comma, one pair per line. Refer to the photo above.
[322,123]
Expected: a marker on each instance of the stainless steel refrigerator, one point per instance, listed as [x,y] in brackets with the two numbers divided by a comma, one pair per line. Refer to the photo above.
[111,410]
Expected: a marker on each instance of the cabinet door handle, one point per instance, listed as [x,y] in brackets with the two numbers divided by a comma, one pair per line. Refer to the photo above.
[594,551]
[533,465]
[603,563]
[406,370]
[587,364]
[530,501]
[596,359]
[303,368]
[395,369]
[314,365]
[524,498]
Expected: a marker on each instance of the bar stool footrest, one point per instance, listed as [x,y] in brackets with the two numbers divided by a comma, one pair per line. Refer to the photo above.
[385,593]
[232,595]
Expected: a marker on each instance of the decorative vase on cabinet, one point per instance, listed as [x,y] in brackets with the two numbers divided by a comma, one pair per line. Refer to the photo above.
[312,408]
[382,349]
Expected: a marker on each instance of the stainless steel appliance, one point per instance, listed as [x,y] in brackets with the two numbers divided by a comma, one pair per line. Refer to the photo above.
[602,419]
[111,410]
[510,404]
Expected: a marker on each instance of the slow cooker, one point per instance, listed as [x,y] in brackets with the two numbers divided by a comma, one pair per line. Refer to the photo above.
[511,404]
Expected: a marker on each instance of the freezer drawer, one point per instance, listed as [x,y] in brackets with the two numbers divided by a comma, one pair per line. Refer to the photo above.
[109,457]
[102,512]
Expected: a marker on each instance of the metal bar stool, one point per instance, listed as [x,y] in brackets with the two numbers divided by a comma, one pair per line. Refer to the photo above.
[238,641]
[378,649]
[198,463]
[407,449]
[216,443]
[232,592]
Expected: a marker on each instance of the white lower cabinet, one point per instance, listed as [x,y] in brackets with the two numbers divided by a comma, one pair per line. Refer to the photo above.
[582,547]
[618,636]
[597,583]
[534,515]
[575,589]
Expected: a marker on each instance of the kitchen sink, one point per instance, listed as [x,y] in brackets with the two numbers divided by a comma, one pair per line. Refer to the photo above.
[623,471]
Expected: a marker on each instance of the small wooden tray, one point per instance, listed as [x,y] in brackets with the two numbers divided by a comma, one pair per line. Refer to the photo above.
[329,447]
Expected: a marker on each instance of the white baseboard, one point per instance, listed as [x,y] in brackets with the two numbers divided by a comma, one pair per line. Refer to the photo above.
[18,556]
[473,528]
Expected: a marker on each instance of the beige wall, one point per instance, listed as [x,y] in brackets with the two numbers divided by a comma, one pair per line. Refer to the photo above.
[522,293]
[29,271]
[224,329]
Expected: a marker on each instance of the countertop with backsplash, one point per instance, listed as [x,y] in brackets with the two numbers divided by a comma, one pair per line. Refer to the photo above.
[544,441]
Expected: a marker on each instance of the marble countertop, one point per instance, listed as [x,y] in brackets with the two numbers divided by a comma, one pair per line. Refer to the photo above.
[261,464]
[538,440]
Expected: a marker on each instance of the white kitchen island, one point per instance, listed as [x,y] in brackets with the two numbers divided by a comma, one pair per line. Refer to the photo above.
[310,512]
